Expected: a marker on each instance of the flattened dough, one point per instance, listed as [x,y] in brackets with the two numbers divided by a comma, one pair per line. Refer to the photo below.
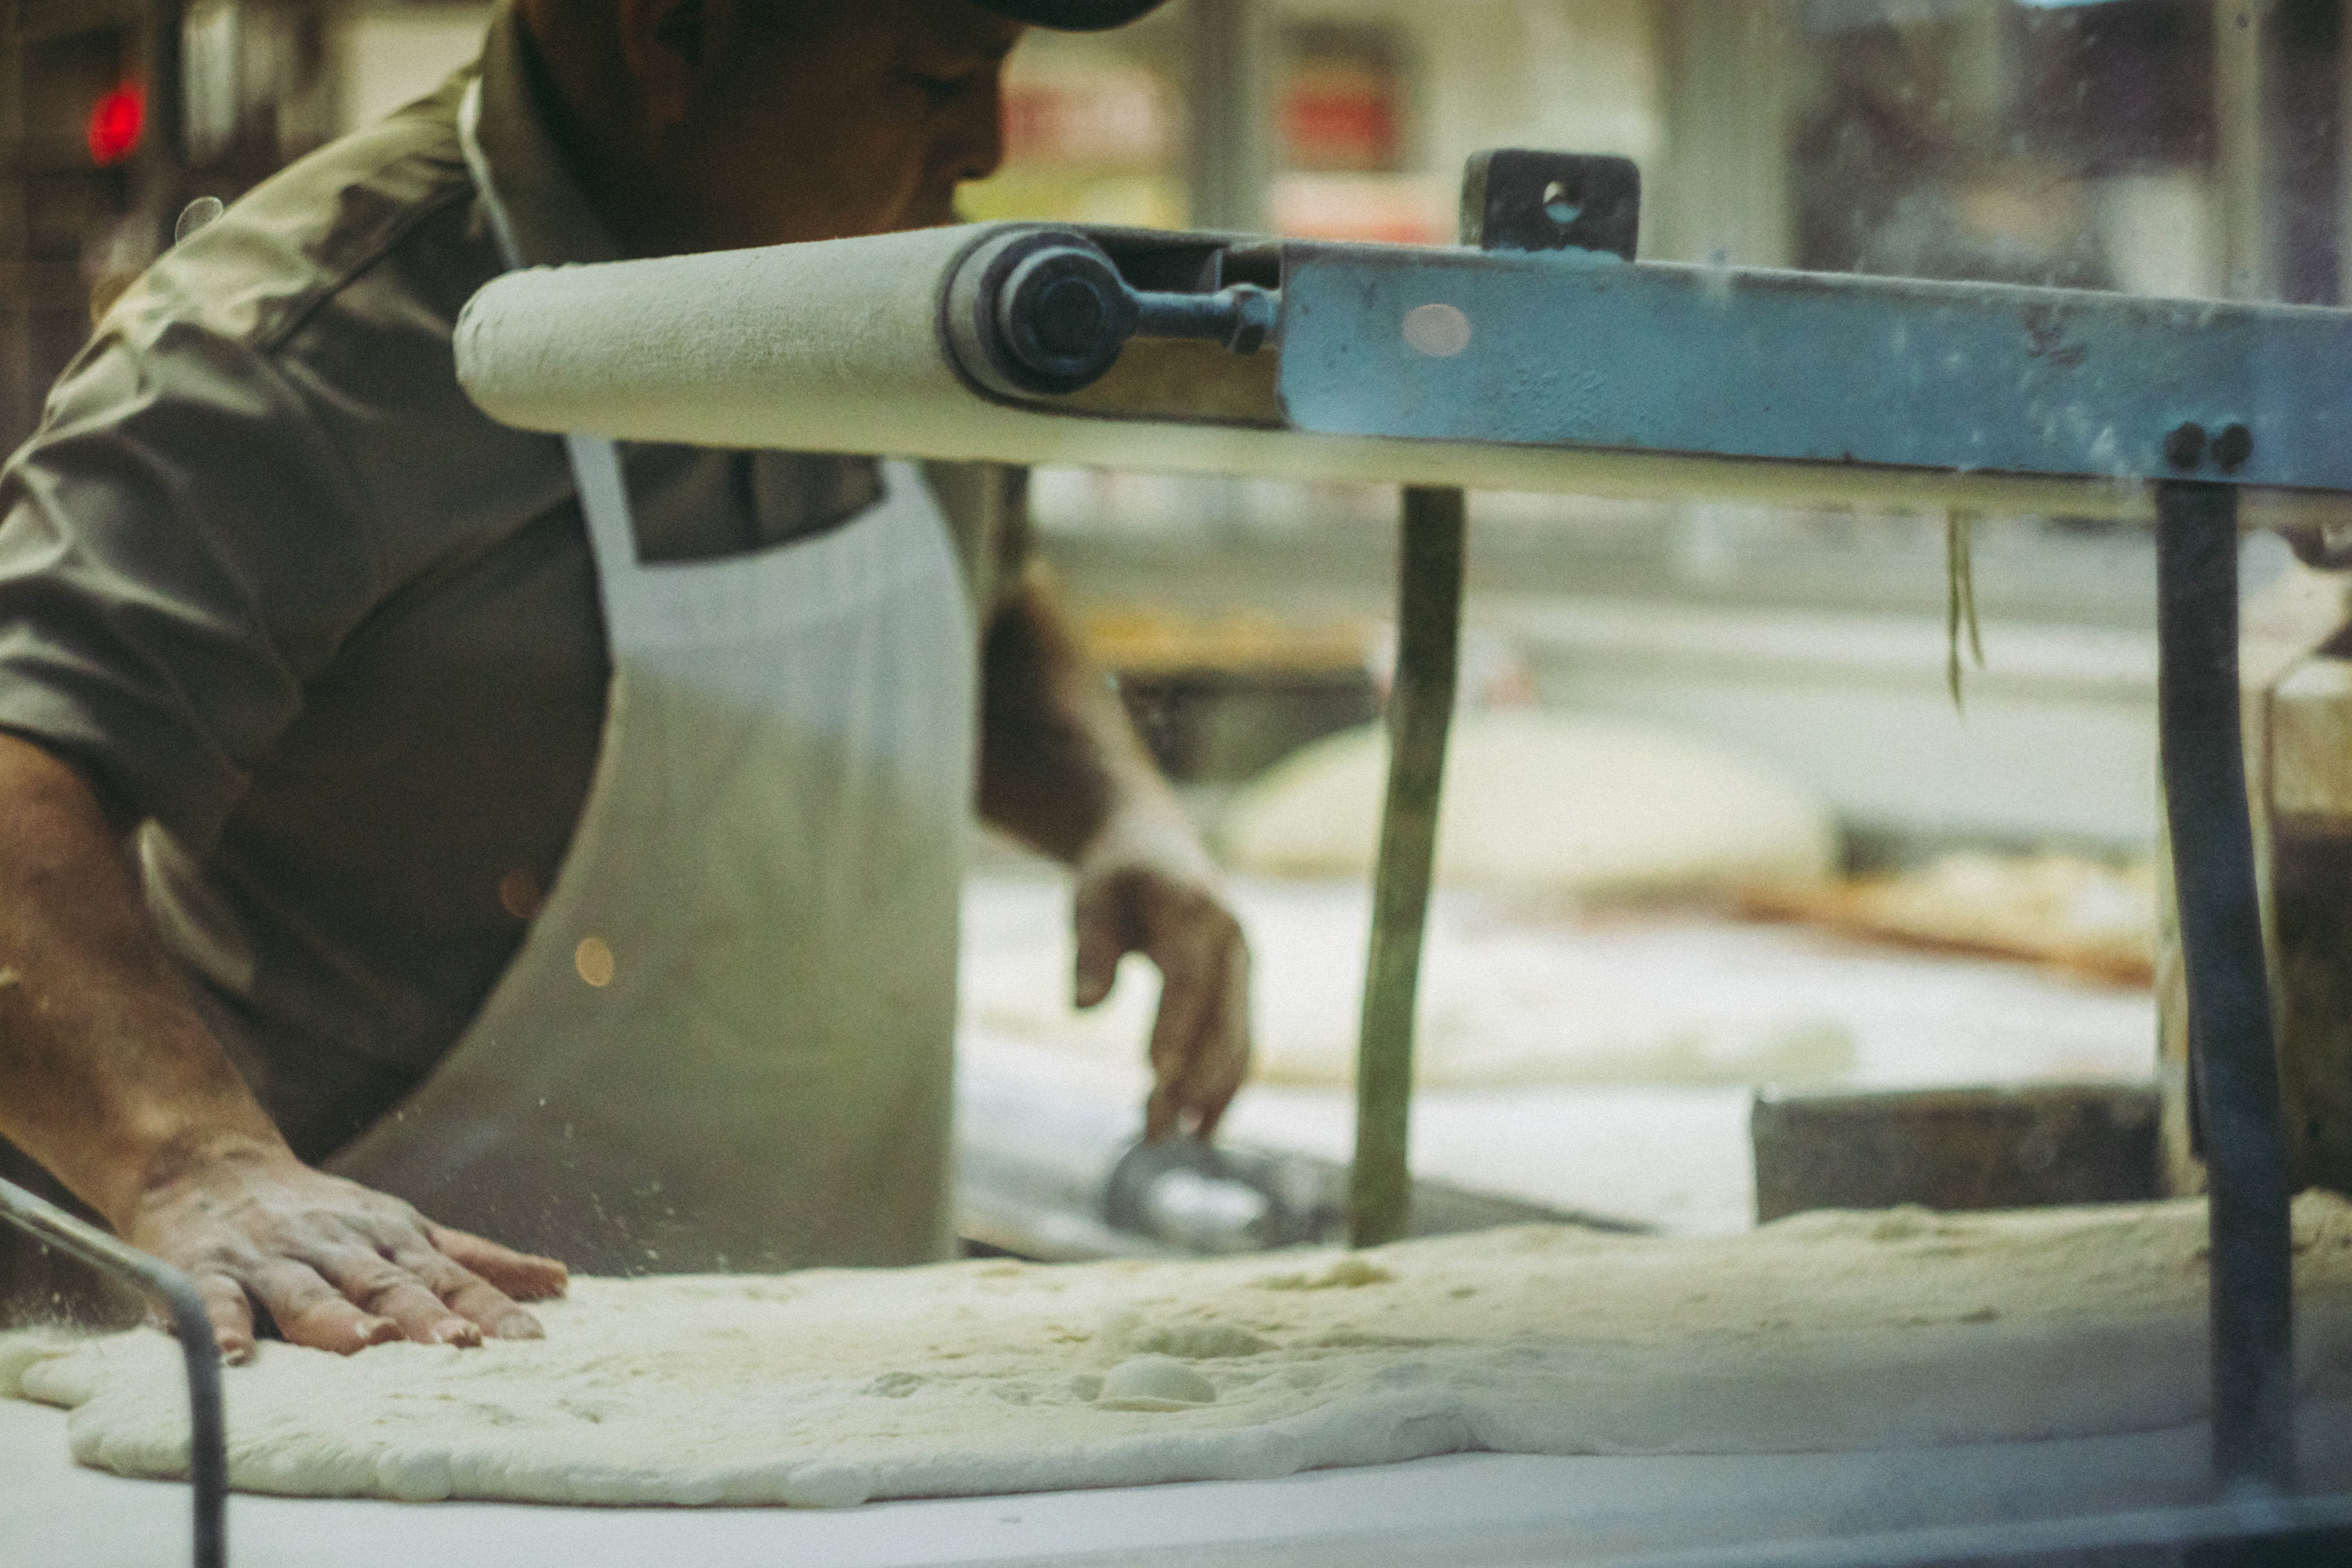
[1823,1332]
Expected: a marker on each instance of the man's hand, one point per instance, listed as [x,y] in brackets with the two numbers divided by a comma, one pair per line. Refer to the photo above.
[1061,768]
[335,1265]
[114,1084]
[1145,886]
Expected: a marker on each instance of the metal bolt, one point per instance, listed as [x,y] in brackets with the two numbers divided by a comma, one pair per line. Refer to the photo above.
[2232,447]
[1070,316]
[2185,445]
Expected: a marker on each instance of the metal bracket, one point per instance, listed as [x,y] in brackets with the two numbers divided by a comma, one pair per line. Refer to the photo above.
[1516,200]
[167,1286]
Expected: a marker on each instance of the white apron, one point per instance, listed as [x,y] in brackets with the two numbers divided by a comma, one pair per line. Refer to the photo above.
[726,1041]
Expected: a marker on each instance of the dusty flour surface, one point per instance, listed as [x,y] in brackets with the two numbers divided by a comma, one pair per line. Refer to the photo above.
[1834,1331]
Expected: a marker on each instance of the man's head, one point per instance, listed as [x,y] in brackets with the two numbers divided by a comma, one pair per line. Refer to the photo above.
[713,124]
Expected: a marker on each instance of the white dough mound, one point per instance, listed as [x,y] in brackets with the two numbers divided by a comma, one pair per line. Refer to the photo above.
[1542,800]
[1822,1332]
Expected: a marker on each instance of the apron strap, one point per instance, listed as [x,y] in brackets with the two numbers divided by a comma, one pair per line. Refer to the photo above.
[595,465]
[604,497]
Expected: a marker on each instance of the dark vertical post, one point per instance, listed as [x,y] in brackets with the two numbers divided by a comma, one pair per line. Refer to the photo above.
[163,161]
[1421,707]
[2302,123]
[2235,1067]
[1226,162]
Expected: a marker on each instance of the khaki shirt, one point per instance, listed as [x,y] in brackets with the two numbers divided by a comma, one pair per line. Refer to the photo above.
[327,628]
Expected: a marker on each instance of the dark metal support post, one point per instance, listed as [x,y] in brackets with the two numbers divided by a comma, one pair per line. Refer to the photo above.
[2236,1070]
[162,1283]
[1227,93]
[1421,707]
[163,160]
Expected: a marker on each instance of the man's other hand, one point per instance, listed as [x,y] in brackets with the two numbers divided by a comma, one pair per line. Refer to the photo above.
[1145,886]
[335,1265]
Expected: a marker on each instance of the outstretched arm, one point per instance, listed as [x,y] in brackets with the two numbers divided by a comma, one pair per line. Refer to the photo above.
[115,1085]
[1061,768]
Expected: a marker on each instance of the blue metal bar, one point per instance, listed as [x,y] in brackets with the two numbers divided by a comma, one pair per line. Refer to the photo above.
[1551,350]
[2250,1263]
[160,1282]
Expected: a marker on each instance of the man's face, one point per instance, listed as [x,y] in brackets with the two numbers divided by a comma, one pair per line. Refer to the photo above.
[825,118]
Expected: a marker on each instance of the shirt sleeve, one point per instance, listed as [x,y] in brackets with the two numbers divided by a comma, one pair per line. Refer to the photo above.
[181,549]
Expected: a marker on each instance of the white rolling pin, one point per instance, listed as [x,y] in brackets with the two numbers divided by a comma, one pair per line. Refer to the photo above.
[844,346]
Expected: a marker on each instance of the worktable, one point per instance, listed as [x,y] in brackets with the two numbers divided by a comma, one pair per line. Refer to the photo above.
[1468,1511]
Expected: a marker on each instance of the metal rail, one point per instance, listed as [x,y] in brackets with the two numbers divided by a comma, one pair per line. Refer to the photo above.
[160,1283]
[2235,1072]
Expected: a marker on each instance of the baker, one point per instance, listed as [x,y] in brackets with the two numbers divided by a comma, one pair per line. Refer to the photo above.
[421,832]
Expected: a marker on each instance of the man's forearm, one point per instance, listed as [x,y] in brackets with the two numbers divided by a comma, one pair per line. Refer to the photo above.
[1059,757]
[108,1076]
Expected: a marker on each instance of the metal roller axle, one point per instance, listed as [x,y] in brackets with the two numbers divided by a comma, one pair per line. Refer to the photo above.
[1045,311]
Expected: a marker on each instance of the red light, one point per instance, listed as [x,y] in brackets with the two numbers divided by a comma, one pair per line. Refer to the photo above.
[115,124]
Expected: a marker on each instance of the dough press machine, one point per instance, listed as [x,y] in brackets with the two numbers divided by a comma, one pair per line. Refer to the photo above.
[1539,355]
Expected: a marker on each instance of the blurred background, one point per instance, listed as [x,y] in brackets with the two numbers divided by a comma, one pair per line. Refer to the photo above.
[2166,147]
[2175,147]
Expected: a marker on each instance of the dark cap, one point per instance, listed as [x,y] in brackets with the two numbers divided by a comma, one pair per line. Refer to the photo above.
[1072,15]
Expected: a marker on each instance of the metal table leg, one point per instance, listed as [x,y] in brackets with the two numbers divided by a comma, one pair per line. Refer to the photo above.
[2235,1070]
[1421,707]
[160,1282]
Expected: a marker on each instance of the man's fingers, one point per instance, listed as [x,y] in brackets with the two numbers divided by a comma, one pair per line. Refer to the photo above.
[1100,947]
[310,1311]
[1198,1048]
[1199,1043]
[522,1276]
[1199,1076]
[468,1294]
[330,1265]
[1209,1101]
[377,1285]
[232,1317]
[1187,997]
[1159,1120]
[1227,1065]
[1221,1061]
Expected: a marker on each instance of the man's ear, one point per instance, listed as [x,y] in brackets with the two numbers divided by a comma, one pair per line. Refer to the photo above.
[663,43]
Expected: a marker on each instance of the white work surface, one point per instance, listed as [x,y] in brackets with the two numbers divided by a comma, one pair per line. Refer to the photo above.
[1671,1154]
[1461,1512]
